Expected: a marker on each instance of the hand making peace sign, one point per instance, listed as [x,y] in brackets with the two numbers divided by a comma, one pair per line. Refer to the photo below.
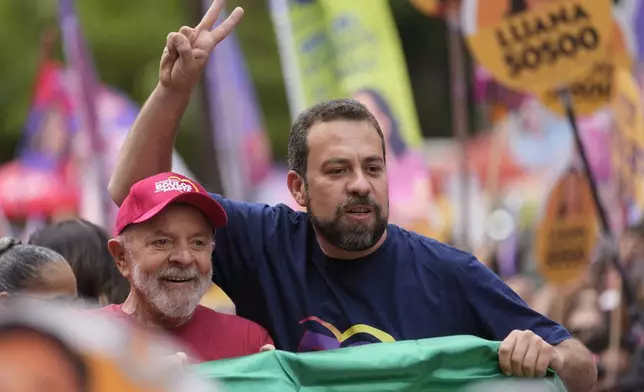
[187,51]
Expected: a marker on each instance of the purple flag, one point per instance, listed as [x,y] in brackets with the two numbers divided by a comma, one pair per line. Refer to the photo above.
[46,141]
[96,204]
[240,140]
[638,28]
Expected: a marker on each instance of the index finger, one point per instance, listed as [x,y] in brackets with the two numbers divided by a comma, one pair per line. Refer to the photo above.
[505,353]
[211,16]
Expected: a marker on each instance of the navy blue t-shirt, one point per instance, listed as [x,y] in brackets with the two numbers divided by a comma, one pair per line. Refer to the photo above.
[268,261]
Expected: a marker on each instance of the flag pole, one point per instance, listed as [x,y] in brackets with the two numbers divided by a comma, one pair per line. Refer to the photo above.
[459,110]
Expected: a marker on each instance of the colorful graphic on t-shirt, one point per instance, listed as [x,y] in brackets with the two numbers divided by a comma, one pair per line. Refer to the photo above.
[313,341]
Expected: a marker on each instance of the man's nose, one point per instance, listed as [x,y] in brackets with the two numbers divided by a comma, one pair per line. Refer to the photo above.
[182,255]
[359,184]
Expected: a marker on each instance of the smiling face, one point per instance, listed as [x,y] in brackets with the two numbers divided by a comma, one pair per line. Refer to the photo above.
[346,190]
[168,261]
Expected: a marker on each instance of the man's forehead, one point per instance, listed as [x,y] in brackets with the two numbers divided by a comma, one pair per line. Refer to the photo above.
[341,129]
[344,135]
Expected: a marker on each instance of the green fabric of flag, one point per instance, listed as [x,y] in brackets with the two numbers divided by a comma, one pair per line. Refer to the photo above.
[455,363]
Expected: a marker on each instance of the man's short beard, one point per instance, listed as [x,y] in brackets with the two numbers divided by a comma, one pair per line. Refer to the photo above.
[169,304]
[356,238]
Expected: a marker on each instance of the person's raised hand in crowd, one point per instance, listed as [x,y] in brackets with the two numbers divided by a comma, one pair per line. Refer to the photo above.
[187,51]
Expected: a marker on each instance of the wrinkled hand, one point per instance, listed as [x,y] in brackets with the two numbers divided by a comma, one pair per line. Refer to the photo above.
[187,51]
[525,354]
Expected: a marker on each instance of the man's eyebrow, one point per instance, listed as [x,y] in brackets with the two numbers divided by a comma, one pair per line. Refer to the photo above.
[202,233]
[374,159]
[336,161]
[159,233]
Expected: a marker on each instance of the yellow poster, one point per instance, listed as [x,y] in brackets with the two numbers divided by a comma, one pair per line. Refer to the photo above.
[597,89]
[218,301]
[567,234]
[536,45]
[370,64]
[306,54]
[629,137]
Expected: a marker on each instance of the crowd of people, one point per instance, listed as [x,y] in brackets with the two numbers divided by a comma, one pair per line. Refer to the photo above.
[298,279]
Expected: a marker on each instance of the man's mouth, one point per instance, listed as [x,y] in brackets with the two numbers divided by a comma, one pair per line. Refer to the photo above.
[172,279]
[359,212]
[360,209]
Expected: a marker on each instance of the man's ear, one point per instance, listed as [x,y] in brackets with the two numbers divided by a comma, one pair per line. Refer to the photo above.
[117,250]
[296,185]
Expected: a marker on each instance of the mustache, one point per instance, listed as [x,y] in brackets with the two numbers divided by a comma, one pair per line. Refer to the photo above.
[359,201]
[181,273]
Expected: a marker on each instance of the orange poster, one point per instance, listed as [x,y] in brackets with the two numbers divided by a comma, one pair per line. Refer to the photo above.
[567,233]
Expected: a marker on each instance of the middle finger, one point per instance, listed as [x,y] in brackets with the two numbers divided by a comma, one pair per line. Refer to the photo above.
[211,16]
[518,355]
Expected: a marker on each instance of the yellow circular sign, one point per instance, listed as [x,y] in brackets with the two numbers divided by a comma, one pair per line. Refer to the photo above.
[596,89]
[536,45]
[567,234]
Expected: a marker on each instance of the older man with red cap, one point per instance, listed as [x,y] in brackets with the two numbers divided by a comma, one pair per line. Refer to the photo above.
[165,229]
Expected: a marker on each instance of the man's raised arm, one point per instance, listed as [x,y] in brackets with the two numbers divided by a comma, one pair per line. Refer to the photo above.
[148,147]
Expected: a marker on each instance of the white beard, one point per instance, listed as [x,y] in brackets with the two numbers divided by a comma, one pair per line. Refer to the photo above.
[171,303]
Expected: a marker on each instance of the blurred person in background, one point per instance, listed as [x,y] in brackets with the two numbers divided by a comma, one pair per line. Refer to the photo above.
[339,274]
[32,360]
[524,286]
[34,271]
[84,246]
[631,253]
[165,230]
[584,318]
[616,362]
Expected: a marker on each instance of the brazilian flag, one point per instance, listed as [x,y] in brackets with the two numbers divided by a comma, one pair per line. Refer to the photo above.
[455,363]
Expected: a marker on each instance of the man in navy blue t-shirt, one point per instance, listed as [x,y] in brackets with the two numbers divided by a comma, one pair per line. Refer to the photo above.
[339,275]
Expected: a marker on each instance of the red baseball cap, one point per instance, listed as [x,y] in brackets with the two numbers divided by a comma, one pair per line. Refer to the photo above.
[151,195]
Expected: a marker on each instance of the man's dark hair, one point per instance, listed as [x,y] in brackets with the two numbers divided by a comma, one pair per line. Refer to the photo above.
[337,109]
[84,245]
